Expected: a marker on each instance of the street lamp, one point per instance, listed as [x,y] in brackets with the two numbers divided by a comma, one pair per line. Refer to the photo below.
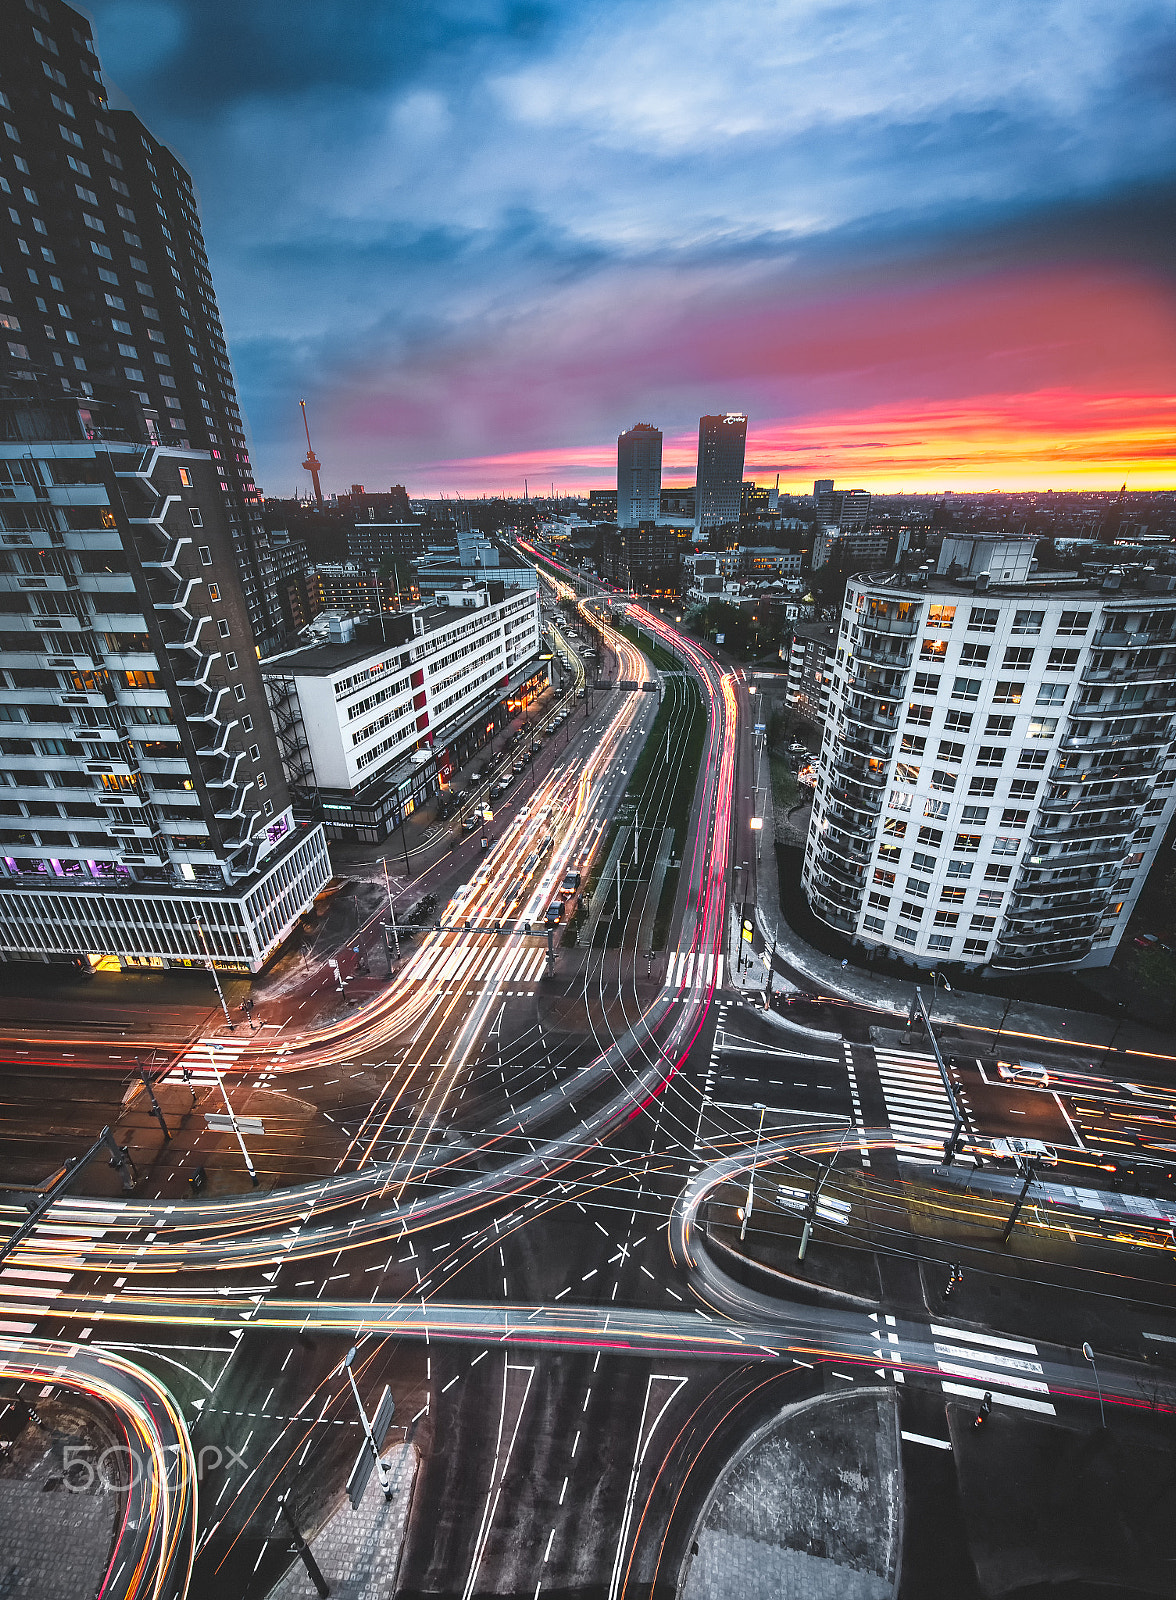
[936,979]
[1089,1354]
[751,1177]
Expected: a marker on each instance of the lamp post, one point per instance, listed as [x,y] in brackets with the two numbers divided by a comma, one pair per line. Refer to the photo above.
[1089,1354]
[748,1203]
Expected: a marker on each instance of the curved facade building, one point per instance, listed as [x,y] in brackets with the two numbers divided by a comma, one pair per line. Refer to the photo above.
[997,766]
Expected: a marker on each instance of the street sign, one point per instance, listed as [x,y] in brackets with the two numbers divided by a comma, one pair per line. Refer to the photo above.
[365,1461]
[218,1122]
[748,930]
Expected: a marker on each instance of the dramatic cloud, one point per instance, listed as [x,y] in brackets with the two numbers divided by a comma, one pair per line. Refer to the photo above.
[479,235]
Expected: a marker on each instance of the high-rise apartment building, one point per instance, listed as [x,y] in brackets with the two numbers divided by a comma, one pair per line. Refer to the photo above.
[846,509]
[145,818]
[104,282]
[718,491]
[998,762]
[639,468]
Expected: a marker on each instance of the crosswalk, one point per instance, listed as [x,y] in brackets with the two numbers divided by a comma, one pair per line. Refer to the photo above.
[917,1108]
[694,969]
[493,966]
[196,1063]
[976,1364]
[27,1293]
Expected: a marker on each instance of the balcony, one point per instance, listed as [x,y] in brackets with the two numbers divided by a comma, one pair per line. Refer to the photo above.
[1114,825]
[848,874]
[1136,671]
[871,682]
[1019,957]
[1117,639]
[830,912]
[897,660]
[853,769]
[1094,852]
[1127,795]
[868,716]
[906,625]
[858,822]
[851,845]
[863,803]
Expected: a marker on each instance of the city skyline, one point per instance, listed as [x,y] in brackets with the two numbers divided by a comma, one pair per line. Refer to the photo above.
[894,280]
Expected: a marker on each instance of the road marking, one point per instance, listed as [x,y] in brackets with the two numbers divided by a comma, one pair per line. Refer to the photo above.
[926,1438]
[1017,1401]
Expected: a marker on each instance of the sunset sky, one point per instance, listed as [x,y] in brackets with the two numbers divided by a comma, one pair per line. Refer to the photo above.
[924,245]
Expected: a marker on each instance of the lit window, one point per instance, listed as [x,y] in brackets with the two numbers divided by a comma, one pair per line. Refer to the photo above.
[214,591]
[185,478]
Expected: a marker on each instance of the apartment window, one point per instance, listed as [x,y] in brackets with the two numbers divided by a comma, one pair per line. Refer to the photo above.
[899,800]
[214,591]
[948,751]
[933,650]
[1018,657]
[185,478]
[889,852]
[205,556]
[255,752]
[946,919]
[895,828]
[927,683]
[958,721]
[268,808]
[884,878]
[990,897]
[1008,693]
[952,897]
[197,519]
[974,655]
[912,912]
[939,941]
[995,874]
[940,809]
[968,842]
[1005,844]
[1023,789]
[931,836]
[975,947]
[1000,726]
[983,619]
[984,787]
[1072,622]
[912,745]
[239,691]
[920,716]
[940,616]
[923,863]
[1052,694]
[1029,759]
[966,689]
[1010,817]
[1028,621]
[261,780]
[222,628]
[231,661]
[1042,728]
[977,815]
[982,924]
[942,780]
[905,935]
[873,924]
[905,773]
[880,902]
[1063,660]
[917,886]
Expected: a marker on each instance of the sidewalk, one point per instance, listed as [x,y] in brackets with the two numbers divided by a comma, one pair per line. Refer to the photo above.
[358,1552]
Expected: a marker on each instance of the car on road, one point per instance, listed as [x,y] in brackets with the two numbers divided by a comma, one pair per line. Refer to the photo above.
[501,787]
[1025,1150]
[1031,1073]
[555,913]
[471,823]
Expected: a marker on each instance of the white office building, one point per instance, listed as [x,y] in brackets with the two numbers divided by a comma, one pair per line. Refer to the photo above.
[375,719]
[997,766]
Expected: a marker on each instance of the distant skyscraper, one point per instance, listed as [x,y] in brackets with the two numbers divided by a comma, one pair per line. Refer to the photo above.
[639,463]
[844,509]
[722,442]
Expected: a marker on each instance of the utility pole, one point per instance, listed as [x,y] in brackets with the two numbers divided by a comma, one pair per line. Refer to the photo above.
[156,1111]
[810,1210]
[771,971]
[618,888]
[749,1202]
[236,1126]
[391,917]
[303,1549]
[220,993]
[381,1468]
[1030,1174]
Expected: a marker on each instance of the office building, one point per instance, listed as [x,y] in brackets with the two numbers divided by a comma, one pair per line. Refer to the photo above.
[718,490]
[872,548]
[145,818]
[846,509]
[639,468]
[997,768]
[380,716]
[472,557]
[646,559]
[104,282]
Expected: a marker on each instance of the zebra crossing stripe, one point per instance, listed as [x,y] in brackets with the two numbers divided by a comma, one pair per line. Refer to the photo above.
[918,1110]
[994,1363]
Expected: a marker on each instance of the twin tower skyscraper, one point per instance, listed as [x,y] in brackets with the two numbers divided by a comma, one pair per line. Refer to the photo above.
[718,485]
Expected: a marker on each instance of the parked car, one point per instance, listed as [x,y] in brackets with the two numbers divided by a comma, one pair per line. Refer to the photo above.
[1027,1072]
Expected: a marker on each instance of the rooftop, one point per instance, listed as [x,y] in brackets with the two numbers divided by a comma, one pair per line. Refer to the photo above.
[1108,582]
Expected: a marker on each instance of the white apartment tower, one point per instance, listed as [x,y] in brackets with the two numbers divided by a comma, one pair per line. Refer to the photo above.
[997,767]
[639,471]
